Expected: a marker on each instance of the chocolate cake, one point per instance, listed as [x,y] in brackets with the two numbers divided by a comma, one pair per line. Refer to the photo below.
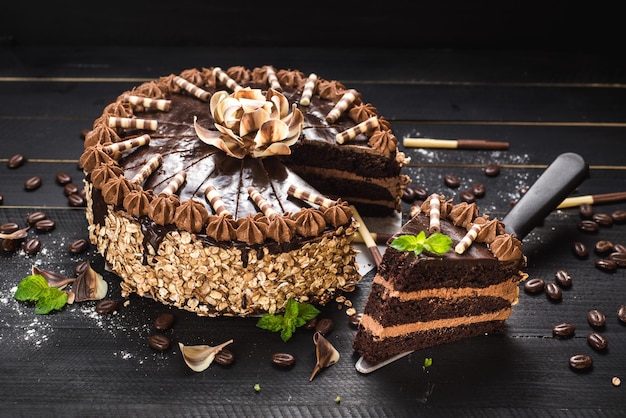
[422,300]
[226,192]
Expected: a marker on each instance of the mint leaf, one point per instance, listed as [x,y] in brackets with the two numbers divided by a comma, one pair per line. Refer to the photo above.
[30,288]
[50,299]
[436,243]
[306,311]
[270,322]
[296,314]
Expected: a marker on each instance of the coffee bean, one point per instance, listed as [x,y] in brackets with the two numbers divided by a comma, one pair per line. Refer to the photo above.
[45,225]
[602,219]
[621,314]
[421,193]
[63,178]
[70,189]
[603,247]
[479,189]
[585,211]
[164,321]
[32,183]
[1,199]
[467,196]
[563,330]
[10,245]
[597,341]
[16,161]
[588,226]
[283,360]
[563,279]
[620,248]
[311,323]
[78,246]
[581,362]
[9,227]
[553,291]
[75,200]
[605,264]
[355,320]
[451,181]
[408,195]
[619,216]
[224,357]
[81,267]
[492,170]
[619,258]
[534,285]
[32,246]
[159,342]
[35,217]
[596,318]
[324,326]
[580,250]
[106,306]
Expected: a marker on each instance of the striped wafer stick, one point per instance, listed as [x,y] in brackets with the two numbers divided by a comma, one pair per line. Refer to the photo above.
[127,144]
[214,198]
[261,202]
[342,105]
[149,124]
[309,87]
[174,184]
[148,103]
[435,214]
[272,79]
[350,133]
[307,196]
[225,78]
[192,88]
[153,163]
[468,239]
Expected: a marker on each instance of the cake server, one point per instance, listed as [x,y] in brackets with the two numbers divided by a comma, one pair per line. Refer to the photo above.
[559,179]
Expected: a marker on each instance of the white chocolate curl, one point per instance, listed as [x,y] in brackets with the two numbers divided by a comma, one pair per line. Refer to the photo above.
[177,181]
[273,80]
[127,144]
[262,203]
[214,198]
[363,127]
[307,196]
[225,78]
[468,239]
[192,88]
[435,214]
[309,87]
[149,103]
[149,124]
[342,105]
[152,164]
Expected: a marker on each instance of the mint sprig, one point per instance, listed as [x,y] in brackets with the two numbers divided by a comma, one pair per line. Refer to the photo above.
[35,288]
[296,314]
[436,243]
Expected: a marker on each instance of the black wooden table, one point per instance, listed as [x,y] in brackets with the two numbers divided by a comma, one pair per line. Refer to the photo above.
[79,363]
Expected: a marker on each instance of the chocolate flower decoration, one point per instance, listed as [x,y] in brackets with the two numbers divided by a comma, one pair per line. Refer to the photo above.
[250,123]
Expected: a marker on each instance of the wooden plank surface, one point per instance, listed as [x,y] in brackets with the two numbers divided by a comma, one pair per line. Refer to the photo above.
[77,363]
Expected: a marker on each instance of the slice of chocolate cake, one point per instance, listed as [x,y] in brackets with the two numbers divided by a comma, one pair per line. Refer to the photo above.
[419,299]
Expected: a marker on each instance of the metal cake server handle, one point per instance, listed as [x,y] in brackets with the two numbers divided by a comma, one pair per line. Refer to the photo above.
[561,177]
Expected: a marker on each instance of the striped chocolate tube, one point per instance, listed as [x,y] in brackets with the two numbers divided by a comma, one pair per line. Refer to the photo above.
[260,201]
[351,133]
[468,239]
[435,214]
[342,105]
[309,87]
[307,196]
[149,103]
[153,163]
[149,124]
[174,184]
[214,198]
[127,144]
[272,79]
[192,88]
[225,78]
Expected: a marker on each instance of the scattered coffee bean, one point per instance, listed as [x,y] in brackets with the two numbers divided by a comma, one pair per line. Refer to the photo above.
[603,247]
[563,330]
[620,248]
[408,195]
[9,227]
[479,189]
[78,246]
[421,193]
[35,217]
[32,183]
[10,245]
[581,362]
[492,170]
[1,199]
[164,321]
[32,246]
[596,318]
[355,319]
[159,342]
[553,291]
[310,324]
[467,196]
[621,314]
[587,225]
[45,225]
[619,258]
[563,279]
[534,285]
[597,341]
[70,189]
[81,267]
[451,181]
[619,216]
[585,211]
[324,326]
[580,250]
[106,306]
[602,219]
[16,161]
[75,200]
[63,178]
[607,265]
[283,360]
[224,357]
